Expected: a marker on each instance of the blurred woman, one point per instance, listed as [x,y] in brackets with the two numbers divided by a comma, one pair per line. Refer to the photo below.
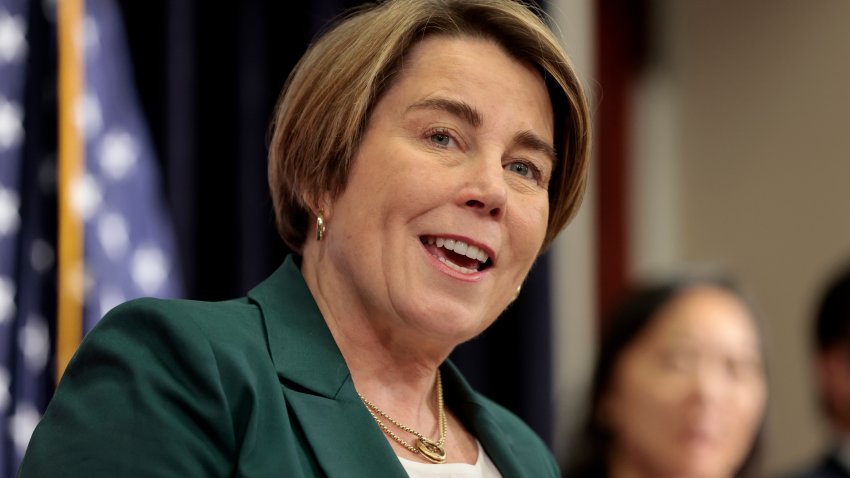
[424,153]
[679,388]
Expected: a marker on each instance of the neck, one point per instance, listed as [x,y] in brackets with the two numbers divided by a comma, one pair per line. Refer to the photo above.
[392,368]
[623,465]
[621,468]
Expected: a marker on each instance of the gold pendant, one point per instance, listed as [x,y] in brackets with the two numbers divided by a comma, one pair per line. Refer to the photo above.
[432,451]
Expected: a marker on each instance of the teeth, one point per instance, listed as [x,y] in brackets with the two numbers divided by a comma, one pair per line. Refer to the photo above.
[476,253]
[460,247]
[462,270]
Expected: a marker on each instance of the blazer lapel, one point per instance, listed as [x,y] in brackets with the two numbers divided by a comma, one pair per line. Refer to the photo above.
[497,442]
[499,447]
[316,382]
[344,437]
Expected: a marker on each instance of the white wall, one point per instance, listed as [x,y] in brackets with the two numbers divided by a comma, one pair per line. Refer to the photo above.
[742,144]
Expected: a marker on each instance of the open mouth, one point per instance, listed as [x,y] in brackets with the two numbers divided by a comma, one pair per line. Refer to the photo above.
[458,255]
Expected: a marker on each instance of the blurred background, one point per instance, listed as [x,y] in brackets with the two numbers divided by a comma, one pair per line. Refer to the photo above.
[721,142]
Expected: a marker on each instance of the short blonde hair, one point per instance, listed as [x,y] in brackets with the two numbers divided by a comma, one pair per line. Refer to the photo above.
[326,103]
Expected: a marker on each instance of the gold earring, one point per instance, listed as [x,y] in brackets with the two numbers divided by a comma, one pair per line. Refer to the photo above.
[320,225]
[518,290]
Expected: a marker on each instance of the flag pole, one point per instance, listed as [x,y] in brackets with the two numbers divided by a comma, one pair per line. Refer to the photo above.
[69,323]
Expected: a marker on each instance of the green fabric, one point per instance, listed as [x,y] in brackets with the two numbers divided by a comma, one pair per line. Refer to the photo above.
[254,387]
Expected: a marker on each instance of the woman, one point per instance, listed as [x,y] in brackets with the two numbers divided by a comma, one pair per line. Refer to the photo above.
[423,154]
[679,387]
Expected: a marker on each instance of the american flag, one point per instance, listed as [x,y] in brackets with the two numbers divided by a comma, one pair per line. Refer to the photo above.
[129,248]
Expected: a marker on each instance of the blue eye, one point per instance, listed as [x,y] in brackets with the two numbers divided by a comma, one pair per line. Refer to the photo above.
[441,139]
[522,169]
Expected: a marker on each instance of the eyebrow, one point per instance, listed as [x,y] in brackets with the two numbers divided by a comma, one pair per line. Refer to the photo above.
[468,113]
[458,108]
[528,139]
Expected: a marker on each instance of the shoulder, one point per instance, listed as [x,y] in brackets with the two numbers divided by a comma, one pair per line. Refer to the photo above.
[183,321]
[183,312]
[159,371]
[828,467]
[154,338]
[508,421]
[527,445]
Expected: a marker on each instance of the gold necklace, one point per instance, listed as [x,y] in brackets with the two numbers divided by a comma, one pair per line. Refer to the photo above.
[433,451]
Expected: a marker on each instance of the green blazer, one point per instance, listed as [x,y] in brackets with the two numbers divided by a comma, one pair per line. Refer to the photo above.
[253,387]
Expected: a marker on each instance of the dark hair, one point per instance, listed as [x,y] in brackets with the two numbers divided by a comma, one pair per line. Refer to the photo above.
[832,323]
[634,315]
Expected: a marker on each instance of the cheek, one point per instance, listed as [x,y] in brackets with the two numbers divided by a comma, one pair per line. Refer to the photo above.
[391,183]
[743,418]
[529,217]
[750,405]
[642,404]
[650,409]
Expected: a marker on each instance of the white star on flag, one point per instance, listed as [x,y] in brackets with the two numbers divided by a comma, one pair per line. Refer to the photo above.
[11,124]
[13,45]
[87,197]
[149,269]
[114,235]
[117,154]
[22,424]
[34,342]
[89,115]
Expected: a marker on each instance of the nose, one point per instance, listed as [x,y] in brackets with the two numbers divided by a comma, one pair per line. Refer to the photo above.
[708,384]
[486,191]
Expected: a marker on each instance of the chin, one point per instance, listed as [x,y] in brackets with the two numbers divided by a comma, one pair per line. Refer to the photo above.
[702,468]
[454,322]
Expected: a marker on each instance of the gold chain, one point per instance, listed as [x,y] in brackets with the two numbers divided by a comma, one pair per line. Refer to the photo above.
[434,451]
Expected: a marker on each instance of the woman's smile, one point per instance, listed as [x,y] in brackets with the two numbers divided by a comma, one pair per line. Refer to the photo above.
[459,255]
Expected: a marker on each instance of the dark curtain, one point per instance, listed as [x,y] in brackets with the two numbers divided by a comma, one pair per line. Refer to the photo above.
[208,74]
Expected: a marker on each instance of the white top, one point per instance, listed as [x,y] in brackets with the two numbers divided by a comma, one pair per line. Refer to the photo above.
[483,468]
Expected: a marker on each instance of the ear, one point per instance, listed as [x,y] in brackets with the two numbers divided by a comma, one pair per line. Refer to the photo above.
[833,368]
[318,202]
[325,204]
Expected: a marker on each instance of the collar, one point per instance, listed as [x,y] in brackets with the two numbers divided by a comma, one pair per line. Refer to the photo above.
[301,345]
[309,364]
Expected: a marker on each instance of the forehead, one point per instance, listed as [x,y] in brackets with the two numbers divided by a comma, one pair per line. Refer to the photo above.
[704,315]
[444,54]
[470,66]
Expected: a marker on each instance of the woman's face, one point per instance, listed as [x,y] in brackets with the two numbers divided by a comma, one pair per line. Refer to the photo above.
[688,396]
[457,155]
